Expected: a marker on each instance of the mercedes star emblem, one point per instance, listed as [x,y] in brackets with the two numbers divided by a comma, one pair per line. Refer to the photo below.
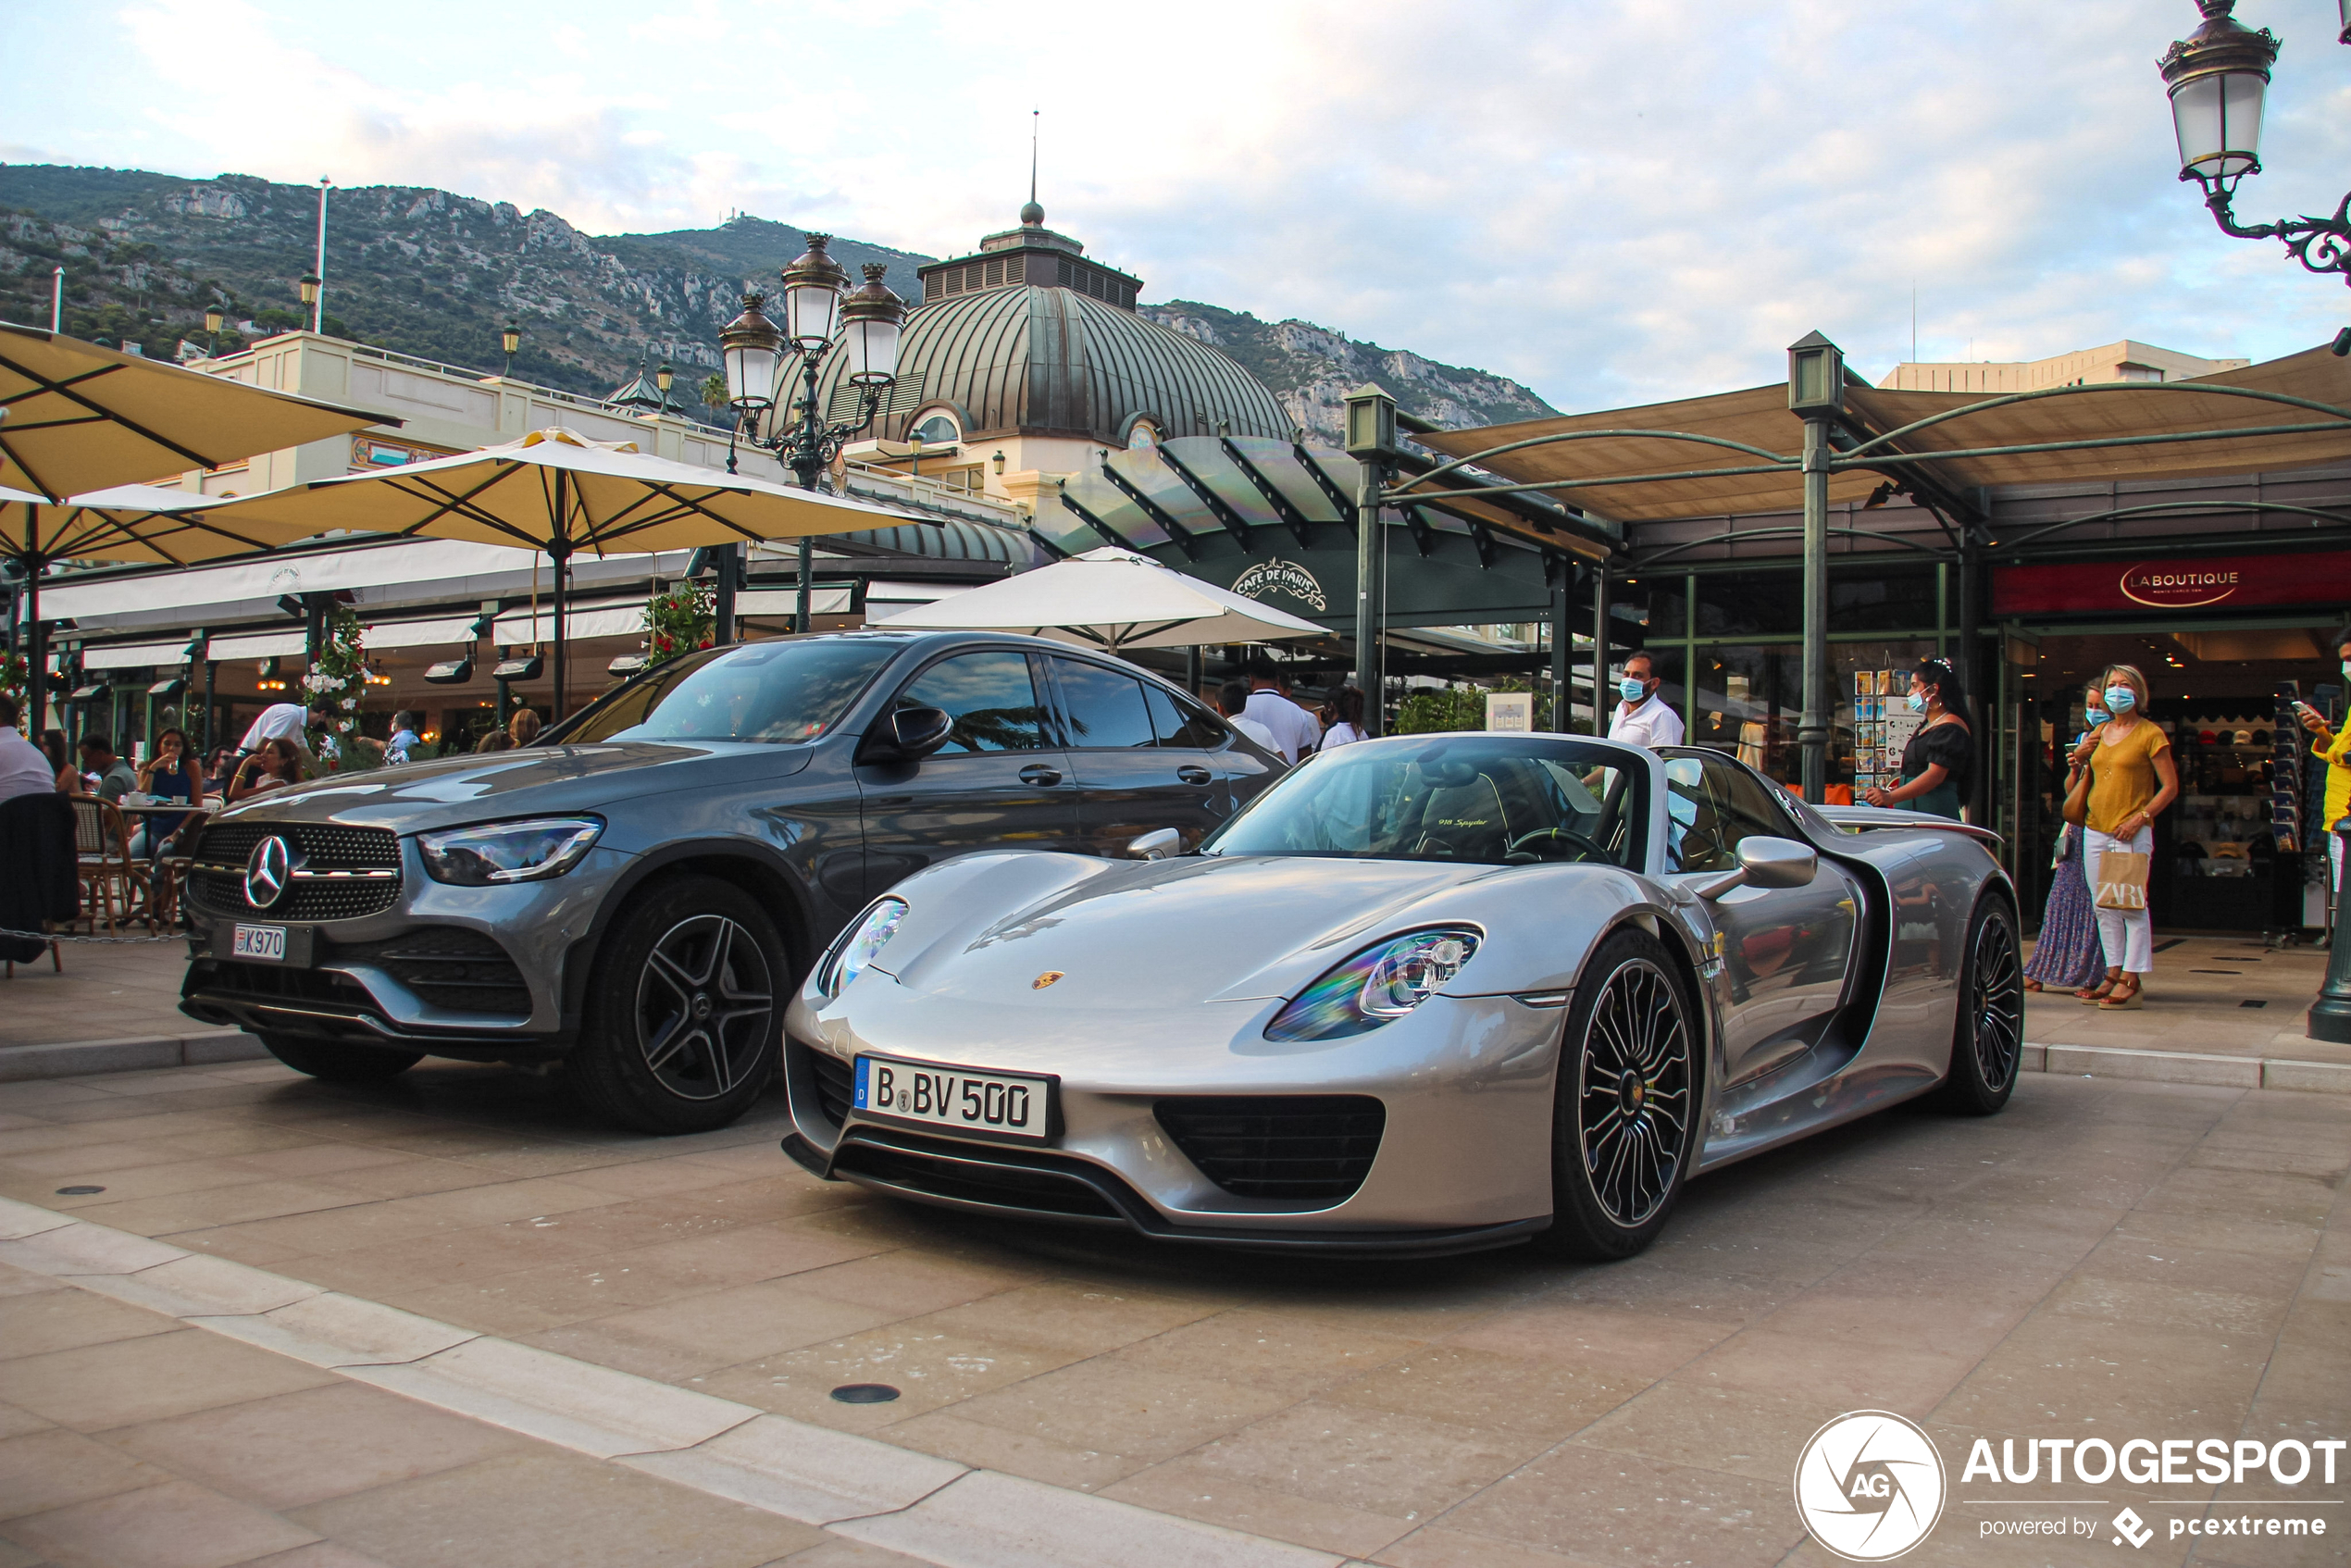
[267,870]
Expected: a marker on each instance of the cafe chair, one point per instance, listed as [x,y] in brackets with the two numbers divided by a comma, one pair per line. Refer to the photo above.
[111,880]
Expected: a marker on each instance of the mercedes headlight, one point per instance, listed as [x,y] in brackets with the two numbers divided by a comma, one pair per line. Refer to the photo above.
[508,852]
[859,945]
[1377,986]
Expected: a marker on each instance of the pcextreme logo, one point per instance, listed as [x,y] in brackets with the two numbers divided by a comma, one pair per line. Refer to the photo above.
[1869,1486]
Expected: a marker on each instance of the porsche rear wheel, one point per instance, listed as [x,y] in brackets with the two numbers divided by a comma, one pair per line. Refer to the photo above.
[1988,1038]
[1624,1120]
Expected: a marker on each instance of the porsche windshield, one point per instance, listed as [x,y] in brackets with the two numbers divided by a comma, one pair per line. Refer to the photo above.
[773,691]
[1516,800]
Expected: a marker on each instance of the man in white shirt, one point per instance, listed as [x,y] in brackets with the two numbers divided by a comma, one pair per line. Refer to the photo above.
[24,767]
[1642,716]
[1294,730]
[403,736]
[1232,700]
[285,721]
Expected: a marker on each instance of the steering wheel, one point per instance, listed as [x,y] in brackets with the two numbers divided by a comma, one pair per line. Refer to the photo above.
[1518,846]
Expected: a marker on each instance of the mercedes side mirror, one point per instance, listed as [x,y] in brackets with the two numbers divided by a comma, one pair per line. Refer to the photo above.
[907,735]
[1160,844]
[1767,863]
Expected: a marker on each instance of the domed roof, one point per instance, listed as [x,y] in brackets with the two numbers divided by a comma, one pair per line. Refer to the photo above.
[1025,337]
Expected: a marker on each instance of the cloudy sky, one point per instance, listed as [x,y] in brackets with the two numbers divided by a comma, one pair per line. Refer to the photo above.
[1610,202]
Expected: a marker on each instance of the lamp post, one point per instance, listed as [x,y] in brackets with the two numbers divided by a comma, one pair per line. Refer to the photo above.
[664,378]
[510,340]
[212,318]
[2218,77]
[817,307]
[1372,442]
[311,286]
[1816,395]
[317,298]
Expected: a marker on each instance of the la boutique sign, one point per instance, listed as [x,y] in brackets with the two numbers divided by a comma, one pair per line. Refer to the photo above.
[2238,583]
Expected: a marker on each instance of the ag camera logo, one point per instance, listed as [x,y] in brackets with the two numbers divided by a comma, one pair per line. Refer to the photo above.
[1869,1486]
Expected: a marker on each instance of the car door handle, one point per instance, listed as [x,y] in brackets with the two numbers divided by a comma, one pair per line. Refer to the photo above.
[1037,773]
[1191,775]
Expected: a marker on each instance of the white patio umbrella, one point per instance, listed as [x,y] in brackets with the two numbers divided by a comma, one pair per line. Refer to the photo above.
[1111,599]
[556,491]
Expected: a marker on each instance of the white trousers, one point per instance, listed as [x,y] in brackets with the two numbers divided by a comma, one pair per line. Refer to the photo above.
[2127,935]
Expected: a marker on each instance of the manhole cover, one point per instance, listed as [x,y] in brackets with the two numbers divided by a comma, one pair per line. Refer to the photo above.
[78,1191]
[864,1393]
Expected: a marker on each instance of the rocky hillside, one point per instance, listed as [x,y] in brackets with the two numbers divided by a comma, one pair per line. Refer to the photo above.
[1310,369]
[433,274]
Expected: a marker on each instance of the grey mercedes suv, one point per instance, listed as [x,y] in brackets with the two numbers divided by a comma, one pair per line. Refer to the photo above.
[639,894]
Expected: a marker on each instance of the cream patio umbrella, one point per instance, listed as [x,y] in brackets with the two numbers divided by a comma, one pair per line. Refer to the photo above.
[558,492]
[132,523]
[1111,599]
[75,416]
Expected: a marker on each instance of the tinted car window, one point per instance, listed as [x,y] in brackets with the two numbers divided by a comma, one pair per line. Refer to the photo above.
[1104,708]
[1710,805]
[774,691]
[1179,724]
[990,697]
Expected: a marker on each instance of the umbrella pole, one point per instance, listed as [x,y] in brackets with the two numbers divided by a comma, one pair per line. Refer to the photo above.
[559,551]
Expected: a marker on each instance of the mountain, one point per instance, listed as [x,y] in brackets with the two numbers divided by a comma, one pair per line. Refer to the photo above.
[1311,368]
[429,273]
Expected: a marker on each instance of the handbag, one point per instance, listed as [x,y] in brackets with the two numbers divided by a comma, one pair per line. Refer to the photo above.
[2077,801]
[2122,879]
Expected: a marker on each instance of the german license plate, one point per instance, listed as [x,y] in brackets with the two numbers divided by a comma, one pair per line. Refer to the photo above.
[259,941]
[1008,1104]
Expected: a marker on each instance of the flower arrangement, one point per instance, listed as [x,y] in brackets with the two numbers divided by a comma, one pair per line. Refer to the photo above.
[678,621]
[337,677]
[15,681]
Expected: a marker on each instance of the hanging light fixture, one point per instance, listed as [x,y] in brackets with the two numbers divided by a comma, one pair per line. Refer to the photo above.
[870,322]
[752,348]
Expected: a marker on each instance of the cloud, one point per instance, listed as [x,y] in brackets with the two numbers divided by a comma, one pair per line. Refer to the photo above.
[1612,203]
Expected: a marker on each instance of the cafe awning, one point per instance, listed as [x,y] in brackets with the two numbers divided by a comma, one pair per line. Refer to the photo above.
[1641,465]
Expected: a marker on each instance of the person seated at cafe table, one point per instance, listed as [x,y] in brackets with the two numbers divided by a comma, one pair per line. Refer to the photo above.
[113,776]
[171,774]
[24,767]
[277,764]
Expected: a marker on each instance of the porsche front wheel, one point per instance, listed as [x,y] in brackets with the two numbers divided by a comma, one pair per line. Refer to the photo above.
[1624,1121]
[1987,1040]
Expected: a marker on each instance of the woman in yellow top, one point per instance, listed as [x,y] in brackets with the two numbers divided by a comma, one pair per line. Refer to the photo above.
[2335,751]
[2133,777]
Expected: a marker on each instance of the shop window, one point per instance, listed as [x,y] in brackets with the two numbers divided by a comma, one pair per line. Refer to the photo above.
[1877,597]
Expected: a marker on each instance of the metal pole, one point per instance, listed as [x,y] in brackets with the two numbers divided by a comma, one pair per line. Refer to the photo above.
[37,654]
[211,704]
[319,306]
[561,556]
[2331,1015]
[1599,648]
[1193,663]
[1562,650]
[1967,657]
[57,300]
[723,603]
[1367,601]
[1813,728]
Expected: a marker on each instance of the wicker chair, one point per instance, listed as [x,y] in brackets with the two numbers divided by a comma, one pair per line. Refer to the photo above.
[111,880]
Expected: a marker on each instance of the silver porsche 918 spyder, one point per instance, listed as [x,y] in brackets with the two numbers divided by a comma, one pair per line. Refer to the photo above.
[1425,994]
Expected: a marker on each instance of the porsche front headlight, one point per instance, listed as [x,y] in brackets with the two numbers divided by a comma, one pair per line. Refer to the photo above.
[859,944]
[1377,986]
[508,852]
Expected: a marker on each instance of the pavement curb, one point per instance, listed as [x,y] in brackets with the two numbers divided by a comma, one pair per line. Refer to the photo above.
[929,1509]
[2188,1067]
[71,1059]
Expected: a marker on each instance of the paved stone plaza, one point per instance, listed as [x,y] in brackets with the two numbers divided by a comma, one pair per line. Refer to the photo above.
[2111,1254]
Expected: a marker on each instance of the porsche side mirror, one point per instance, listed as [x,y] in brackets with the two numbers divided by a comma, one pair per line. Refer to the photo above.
[907,735]
[1158,844]
[1767,863]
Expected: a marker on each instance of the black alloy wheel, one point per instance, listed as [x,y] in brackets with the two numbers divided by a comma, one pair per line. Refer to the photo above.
[684,1012]
[1624,1127]
[1987,1041]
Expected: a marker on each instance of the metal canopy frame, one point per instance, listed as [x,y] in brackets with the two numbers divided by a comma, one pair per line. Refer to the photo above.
[1837,441]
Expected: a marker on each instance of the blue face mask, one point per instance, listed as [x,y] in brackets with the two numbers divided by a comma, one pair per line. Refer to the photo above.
[1633,691]
[2096,716]
[2120,699]
[1917,702]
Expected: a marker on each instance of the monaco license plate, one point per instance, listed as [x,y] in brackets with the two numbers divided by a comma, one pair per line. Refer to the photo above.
[1008,1104]
[258,941]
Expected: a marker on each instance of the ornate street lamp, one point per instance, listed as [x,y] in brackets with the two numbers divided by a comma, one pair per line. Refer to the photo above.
[214,316]
[510,340]
[664,378]
[2218,77]
[867,322]
[309,286]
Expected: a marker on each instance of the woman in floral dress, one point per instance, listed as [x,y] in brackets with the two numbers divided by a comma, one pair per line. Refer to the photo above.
[2067,955]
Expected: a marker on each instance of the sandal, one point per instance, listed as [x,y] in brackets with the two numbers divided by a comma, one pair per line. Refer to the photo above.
[2094,996]
[2032,985]
[2123,997]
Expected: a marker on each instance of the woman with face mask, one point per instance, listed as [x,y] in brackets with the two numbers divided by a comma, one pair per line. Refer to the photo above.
[2133,777]
[1938,765]
[2067,954]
